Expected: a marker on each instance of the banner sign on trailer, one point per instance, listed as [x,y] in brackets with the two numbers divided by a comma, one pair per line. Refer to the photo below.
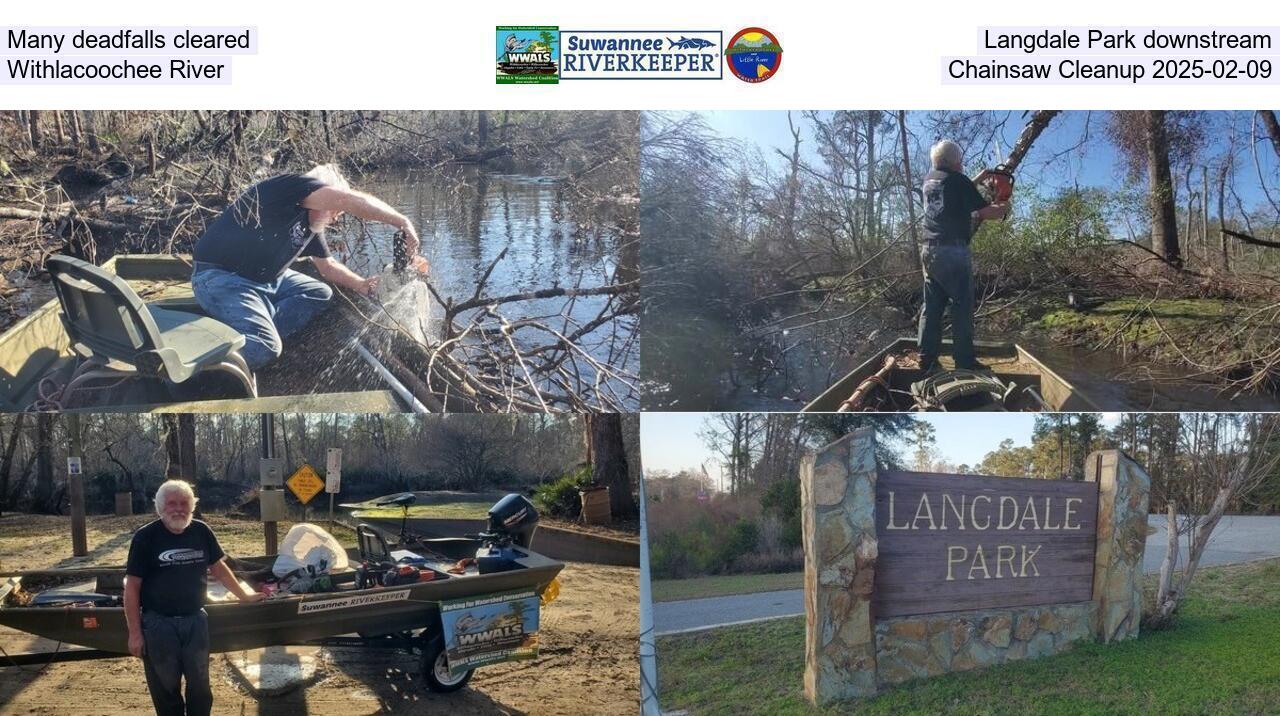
[490,629]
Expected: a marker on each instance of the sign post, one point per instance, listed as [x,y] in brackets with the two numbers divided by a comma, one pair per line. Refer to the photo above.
[270,474]
[75,488]
[333,478]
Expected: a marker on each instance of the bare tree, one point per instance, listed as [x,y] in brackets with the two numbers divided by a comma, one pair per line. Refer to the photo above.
[1227,456]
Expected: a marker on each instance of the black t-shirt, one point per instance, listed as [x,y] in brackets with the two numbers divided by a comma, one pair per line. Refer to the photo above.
[949,200]
[264,231]
[172,567]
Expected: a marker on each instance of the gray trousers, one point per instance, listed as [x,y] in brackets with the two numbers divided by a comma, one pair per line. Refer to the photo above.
[177,647]
[948,278]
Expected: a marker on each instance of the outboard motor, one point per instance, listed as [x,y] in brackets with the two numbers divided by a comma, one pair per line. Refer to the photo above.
[512,521]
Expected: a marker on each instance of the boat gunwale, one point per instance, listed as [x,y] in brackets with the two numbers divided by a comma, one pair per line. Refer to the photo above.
[839,390]
[232,619]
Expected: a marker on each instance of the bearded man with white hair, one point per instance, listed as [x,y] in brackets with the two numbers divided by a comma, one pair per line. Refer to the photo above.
[952,202]
[242,276]
[164,596]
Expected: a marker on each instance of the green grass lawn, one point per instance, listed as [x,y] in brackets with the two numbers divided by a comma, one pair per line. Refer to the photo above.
[672,590]
[445,510]
[1194,325]
[1221,656]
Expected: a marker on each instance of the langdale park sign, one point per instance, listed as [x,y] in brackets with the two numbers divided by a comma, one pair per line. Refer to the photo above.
[911,574]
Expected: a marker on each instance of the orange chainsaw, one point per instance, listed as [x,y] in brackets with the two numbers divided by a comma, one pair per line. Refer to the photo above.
[995,184]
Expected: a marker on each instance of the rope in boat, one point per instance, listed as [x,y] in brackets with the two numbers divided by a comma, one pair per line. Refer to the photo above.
[50,398]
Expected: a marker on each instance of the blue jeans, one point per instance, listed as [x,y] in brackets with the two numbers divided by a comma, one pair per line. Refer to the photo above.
[177,647]
[264,312]
[948,278]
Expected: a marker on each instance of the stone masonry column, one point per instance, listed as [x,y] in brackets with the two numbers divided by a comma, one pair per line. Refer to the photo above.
[838,508]
[1123,491]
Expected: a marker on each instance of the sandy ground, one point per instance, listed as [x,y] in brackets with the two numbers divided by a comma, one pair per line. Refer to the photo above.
[588,661]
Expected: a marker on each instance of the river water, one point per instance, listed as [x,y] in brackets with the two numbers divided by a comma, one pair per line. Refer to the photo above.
[466,218]
[782,370]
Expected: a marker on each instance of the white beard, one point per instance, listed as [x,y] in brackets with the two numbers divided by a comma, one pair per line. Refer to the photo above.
[177,524]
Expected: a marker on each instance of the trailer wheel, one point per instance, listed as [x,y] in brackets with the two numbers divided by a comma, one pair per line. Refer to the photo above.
[435,669]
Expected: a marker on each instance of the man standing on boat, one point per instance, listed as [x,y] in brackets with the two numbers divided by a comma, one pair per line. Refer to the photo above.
[164,594]
[951,203]
[242,275]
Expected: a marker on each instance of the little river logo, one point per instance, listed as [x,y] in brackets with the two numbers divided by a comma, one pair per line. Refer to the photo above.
[528,54]
[753,55]
[641,54]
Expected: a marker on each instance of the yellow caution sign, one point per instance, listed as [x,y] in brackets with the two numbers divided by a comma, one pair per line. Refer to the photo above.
[305,483]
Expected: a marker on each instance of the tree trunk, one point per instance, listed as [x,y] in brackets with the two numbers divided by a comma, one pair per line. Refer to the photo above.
[77,132]
[42,501]
[187,445]
[906,168]
[872,227]
[1273,128]
[172,447]
[793,187]
[610,465]
[482,130]
[1222,215]
[1164,216]
[91,130]
[33,128]
[1164,607]
[1204,209]
[6,463]
[1191,203]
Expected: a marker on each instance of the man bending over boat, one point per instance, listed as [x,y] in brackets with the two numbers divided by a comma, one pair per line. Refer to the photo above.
[242,275]
[951,202]
[164,594]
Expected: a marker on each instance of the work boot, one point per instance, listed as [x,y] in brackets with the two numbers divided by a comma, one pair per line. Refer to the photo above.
[976,366]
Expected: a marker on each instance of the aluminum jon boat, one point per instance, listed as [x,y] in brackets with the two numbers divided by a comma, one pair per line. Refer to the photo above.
[892,381]
[154,350]
[496,561]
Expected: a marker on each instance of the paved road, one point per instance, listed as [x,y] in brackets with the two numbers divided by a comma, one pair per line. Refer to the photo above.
[1237,539]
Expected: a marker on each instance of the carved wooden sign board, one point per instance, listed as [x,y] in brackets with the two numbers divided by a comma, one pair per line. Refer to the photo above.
[959,542]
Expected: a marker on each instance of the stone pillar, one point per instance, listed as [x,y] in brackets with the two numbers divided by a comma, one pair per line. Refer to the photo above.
[1123,490]
[838,507]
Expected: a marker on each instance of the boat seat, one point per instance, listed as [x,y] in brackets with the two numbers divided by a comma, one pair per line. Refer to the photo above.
[189,304]
[373,546]
[114,331]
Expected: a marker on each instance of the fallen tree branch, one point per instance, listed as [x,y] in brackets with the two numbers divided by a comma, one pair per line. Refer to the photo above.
[610,290]
[7,212]
[1249,239]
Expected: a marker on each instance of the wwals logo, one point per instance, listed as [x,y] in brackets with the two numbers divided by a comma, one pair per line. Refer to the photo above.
[528,54]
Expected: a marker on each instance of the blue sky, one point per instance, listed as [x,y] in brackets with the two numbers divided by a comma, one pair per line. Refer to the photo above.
[669,441]
[1094,165]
